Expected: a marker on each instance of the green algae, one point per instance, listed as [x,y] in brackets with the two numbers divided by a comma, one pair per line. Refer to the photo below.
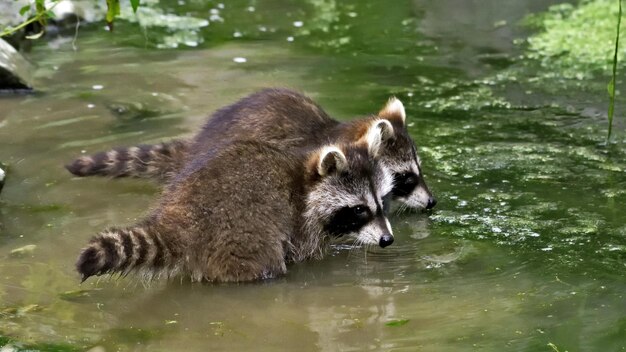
[571,47]
[12,345]
[396,323]
[580,43]
[20,311]
[576,42]
[178,30]
[470,99]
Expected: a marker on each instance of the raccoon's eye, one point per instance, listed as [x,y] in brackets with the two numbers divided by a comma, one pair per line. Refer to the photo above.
[348,219]
[404,183]
[360,211]
[409,179]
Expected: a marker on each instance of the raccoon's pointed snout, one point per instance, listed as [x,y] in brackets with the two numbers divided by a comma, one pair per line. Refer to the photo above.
[385,240]
[432,201]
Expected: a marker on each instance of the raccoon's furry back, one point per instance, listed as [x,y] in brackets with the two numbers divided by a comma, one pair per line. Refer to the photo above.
[275,115]
[158,161]
[225,221]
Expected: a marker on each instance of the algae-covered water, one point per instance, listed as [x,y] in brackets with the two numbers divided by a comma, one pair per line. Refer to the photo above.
[525,251]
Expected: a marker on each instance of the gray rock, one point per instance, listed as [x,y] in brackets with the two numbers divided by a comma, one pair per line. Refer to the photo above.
[25,251]
[15,71]
[10,13]
[2,175]
[86,10]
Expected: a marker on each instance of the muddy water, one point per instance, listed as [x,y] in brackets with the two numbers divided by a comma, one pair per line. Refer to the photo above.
[526,247]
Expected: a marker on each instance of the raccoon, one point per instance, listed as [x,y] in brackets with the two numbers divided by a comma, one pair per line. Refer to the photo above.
[246,210]
[279,116]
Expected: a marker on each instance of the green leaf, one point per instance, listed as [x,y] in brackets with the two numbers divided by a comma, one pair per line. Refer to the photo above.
[24,9]
[395,323]
[113,10]
[134,4]
[40,6]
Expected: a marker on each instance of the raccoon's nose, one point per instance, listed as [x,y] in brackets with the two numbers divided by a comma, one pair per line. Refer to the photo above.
[385,240]
[431,203]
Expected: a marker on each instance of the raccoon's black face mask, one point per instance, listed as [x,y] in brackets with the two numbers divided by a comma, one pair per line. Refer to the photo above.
[404,183]
[349,220]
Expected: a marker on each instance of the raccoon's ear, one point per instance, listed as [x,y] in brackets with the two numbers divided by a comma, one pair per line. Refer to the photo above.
[331,160]
[394,109]
[379,132]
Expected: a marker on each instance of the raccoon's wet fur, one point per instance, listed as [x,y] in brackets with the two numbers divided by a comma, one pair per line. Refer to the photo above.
[156,161]
[244,211]
[279,116]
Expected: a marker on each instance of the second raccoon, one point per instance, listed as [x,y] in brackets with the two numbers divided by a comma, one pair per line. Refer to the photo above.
[284,117]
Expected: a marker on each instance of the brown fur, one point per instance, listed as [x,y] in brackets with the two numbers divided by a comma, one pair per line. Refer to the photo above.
[156,161]
[225,220]
[288,119]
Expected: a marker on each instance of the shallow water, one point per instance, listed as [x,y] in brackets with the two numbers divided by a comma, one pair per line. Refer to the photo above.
[525,248]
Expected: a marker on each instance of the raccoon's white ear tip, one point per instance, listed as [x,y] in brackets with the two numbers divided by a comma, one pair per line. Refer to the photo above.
[381,130]
[331,159]
[386,129]
[394,108]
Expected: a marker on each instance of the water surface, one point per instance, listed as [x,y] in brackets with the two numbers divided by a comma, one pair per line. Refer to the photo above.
[526,247]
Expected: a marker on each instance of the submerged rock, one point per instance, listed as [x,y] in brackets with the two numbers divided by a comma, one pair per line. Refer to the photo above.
[97,349]
[15,312]
[15,71]
[24,251]
[86,295]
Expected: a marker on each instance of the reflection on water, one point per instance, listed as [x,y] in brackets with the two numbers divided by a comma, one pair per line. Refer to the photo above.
[526,246]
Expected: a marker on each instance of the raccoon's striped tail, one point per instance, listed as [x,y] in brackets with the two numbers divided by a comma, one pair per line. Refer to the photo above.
[125,250]
[158,161]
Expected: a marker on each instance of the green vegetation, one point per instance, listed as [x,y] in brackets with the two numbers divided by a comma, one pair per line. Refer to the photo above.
[399,322]
[166,29]
[41,16]
[171,30]
[580,42]
[611,87]
[16,346]
[41,13]
[576,42]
